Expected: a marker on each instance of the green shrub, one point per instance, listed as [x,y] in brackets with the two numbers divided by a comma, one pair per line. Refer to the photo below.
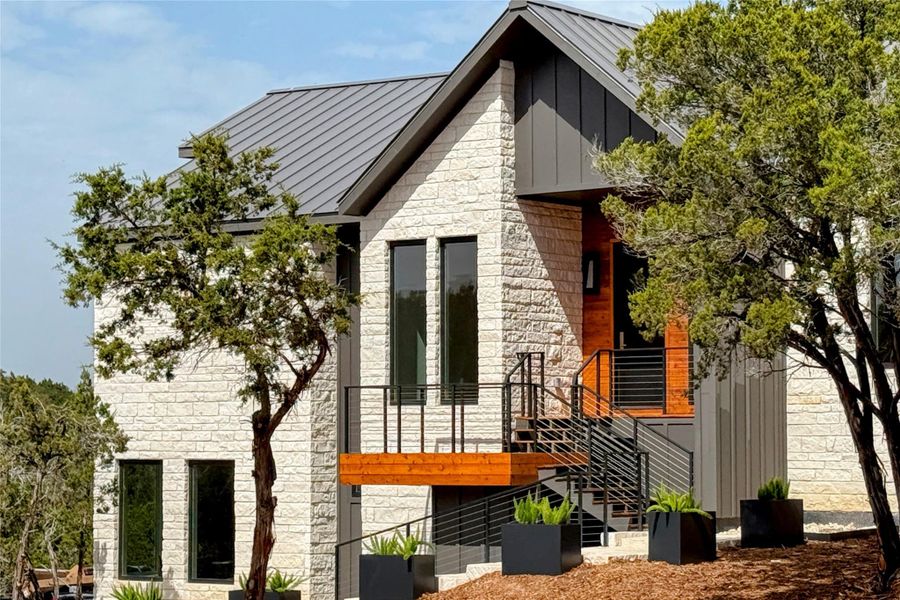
[529,511]
[279,582]
[774,489]
[396,545]
[558,515]
[130,591]
[276,581]
[669,501]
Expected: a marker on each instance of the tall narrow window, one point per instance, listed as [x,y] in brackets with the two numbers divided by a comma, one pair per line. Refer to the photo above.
[459,319]
[408,319]
[211,518]
[140,519]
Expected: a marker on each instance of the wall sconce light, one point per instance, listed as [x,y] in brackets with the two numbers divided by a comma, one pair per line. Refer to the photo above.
[590,272]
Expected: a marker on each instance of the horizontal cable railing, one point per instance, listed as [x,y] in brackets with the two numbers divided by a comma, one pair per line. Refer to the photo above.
[640,378]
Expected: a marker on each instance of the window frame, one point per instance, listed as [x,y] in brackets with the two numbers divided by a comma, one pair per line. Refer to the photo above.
[122,573]
[392,316]
[876,323]
[446,400]
[192,523]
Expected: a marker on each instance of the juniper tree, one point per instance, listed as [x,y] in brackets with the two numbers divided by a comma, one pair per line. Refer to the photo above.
[774,220]
[163,250]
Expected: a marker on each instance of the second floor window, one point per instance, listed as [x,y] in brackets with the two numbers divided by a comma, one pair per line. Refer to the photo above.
[408,337]
[459,319]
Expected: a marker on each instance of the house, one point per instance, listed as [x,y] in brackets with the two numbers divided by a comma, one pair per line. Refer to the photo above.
[493,346]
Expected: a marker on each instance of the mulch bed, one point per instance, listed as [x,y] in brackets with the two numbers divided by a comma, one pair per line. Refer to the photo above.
[822,570]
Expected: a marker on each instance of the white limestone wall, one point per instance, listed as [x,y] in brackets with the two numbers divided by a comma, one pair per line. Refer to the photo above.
[197,416]
[823,465]
[528,282]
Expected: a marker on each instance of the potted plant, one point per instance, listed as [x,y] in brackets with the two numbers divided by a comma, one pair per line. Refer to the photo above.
[279,586]
[392,568]
[680,531]
[772,519]
[541,541]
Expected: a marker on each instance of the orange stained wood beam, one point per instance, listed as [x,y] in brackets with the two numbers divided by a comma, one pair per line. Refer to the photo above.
[469,468]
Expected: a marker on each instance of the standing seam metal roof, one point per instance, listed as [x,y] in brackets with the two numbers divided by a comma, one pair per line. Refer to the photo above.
[325,136]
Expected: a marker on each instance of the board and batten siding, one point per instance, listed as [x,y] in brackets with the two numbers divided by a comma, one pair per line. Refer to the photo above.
[740,433]
[561,112]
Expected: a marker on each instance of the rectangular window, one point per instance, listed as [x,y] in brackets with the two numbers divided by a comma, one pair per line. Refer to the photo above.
[408,319]
[140,519]
[459,320]
[211,518]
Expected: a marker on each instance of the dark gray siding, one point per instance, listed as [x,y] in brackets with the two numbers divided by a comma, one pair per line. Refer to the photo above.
[741,433]
[561,112]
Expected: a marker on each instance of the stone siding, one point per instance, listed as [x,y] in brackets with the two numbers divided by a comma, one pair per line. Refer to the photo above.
[198,416]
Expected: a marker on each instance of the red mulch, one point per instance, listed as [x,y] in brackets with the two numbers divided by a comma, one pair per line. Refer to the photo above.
[819,570]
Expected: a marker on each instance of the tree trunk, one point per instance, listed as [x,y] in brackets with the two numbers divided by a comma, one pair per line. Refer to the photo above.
[888,535]
[19,575]
[54,565]
[263,532]
[891,425]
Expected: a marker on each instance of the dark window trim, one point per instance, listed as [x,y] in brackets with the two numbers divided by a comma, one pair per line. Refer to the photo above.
[391,245]
[446,400]
[192,520]
[122,575]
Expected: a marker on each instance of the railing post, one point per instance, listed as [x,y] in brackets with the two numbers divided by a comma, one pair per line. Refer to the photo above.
[462,424]
[486,547]
[453,418]
[399,426]
[580,485]
[691,469]
[605,499]
[337,572]
[384,401]
[422,402]
[646,494]
[346,444]
[665,371]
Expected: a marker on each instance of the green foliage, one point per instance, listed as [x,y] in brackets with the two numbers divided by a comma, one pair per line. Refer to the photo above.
[774,489]
[557,515]
[529,511]
[161,249]
[51,439]
[668,501]
[396,545]
[130,591]
[279,582]
[790,112]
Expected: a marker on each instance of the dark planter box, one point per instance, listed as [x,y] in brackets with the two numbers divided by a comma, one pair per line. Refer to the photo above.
[540,549]
[682,538]
[292,595]
[392,578]
[771,523]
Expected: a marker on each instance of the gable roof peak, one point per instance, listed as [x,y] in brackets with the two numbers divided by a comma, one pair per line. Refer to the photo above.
[515,5]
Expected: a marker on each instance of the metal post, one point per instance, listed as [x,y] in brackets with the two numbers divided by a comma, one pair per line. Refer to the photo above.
[346,444]
[486,547]
[691,469]
[399,431]
[422,422]
[646,494]
[580,485]
[453,418]
[337,572]
[605,499]
[384,401]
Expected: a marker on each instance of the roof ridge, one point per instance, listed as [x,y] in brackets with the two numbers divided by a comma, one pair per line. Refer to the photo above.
[515,4]
[322,86]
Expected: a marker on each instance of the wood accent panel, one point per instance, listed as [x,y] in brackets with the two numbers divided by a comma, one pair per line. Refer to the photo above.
[597,309]
[598,329]
[469,468]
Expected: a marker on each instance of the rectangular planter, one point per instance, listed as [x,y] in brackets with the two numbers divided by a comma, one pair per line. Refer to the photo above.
[682,538]
[771,523]
[292,595]
[540,549]
[392,578]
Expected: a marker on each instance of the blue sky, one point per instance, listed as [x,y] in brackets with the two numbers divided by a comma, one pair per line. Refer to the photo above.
[84,85]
